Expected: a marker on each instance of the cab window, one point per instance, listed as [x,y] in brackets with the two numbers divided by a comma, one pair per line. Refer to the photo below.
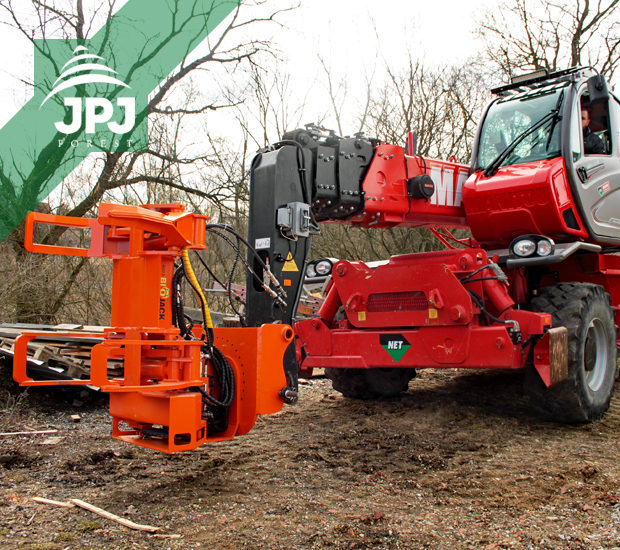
[594,119]
[522,128]
[576,133]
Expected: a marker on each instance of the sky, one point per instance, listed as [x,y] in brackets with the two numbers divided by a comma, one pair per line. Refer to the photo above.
[351,36]
[358,32]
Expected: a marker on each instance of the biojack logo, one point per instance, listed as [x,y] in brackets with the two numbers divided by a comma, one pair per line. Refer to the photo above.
[164,294]
[104,122]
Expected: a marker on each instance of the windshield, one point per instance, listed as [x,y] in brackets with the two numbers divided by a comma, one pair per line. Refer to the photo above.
[509,118]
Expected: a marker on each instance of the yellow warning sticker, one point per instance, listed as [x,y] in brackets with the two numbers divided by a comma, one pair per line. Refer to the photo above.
[289,264]
[361,315]
[432,313]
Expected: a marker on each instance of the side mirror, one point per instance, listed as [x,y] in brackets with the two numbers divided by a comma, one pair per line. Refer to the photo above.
[597,88]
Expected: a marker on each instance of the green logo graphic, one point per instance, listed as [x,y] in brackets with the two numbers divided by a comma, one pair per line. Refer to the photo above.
[95,110]
[92,95]
[395,344]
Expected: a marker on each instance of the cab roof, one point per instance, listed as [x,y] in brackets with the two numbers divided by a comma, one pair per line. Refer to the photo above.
[542,78]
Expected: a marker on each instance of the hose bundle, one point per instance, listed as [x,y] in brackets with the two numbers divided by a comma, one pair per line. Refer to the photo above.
[223,376]
[215,410]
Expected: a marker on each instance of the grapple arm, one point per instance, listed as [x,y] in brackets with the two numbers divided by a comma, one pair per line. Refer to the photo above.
[159,402]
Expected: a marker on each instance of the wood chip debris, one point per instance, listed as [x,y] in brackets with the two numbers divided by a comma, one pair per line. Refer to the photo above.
[52,440]
[37,432]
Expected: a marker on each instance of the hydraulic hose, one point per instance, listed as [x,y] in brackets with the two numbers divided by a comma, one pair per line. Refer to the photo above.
[196,287]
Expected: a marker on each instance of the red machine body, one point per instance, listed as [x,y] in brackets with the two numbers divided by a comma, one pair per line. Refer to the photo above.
[540,271]
[156,403]
[420,299]
[533,197]
[388,202]
[435,325]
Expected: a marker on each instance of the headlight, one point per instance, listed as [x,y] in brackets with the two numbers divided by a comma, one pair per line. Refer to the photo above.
[544,247]
[310,271]
[323,268]
[320,269]
[527,246]
[524,248]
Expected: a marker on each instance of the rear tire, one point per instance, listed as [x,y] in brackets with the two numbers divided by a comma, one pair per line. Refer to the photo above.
[585,310]
[370,383]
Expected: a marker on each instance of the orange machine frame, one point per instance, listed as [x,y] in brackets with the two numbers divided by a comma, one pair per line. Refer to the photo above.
[157,393]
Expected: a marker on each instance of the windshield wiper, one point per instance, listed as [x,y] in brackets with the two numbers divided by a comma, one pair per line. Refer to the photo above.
[555,119]
[553,115]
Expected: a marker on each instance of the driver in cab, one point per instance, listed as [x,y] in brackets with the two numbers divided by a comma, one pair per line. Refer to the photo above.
[592,144]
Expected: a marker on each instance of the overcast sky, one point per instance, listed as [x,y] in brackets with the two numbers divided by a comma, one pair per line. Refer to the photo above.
[356,32]
[350,35]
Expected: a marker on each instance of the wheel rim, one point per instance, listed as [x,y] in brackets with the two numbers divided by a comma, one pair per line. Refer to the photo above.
[595,354]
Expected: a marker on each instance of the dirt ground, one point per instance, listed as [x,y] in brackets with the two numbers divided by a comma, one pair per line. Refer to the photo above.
[459,461]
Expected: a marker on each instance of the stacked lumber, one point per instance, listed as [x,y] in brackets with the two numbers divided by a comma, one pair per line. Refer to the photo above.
[55,355]
[68,357]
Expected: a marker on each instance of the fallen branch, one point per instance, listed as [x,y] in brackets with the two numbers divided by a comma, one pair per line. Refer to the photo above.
[100,511]
[7,434]
[42,500]
[113,517]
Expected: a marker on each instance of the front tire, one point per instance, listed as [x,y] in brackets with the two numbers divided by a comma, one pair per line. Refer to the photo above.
[370,383]
[585,310]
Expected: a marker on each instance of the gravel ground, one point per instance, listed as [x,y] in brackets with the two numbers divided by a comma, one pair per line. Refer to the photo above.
[459,461]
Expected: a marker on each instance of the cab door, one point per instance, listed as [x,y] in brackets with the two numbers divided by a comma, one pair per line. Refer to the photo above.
[597,176]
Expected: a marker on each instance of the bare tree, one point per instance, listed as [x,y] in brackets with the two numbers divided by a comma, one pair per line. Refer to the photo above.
[522,35]
[443,106]
[197,172]
[271,107]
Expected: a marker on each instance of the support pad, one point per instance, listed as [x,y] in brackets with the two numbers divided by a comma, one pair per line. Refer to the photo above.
[551,356]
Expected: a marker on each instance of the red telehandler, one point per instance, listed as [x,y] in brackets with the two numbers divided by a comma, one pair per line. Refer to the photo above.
[536,287]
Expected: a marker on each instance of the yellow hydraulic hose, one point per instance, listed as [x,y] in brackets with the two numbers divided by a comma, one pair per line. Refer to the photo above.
[197,290]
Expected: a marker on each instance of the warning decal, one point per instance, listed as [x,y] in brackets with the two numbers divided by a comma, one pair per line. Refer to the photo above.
[604,188]
[395,344]
[289,264]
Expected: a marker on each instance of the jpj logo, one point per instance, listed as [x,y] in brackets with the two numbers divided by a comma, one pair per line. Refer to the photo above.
[84,68]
